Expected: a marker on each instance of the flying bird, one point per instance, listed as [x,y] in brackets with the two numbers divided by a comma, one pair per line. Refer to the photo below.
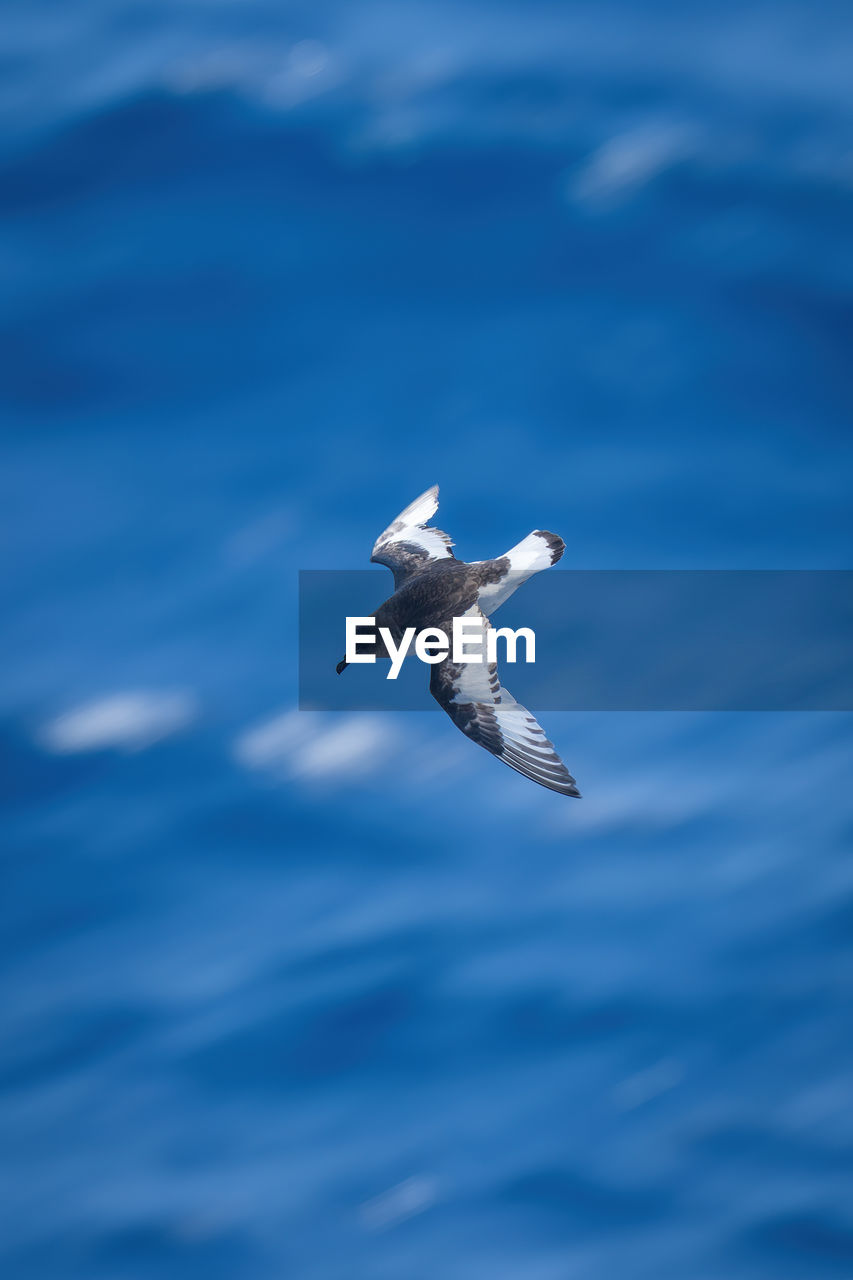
[431,588]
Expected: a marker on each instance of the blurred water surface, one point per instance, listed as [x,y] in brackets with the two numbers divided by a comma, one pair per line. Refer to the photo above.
[336,995]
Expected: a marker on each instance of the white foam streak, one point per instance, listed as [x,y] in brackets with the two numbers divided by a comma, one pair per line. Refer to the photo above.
[627,162]
[413,1196]
[128,721]
[310,745]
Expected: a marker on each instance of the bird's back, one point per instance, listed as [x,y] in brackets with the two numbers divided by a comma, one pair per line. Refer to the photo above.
[442,591]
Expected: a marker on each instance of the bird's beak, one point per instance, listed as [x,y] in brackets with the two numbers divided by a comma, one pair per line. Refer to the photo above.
[343,663]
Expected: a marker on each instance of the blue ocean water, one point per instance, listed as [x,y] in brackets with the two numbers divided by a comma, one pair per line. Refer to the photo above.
[336,995]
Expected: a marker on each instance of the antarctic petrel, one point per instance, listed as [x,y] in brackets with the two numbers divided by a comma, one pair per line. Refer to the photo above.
[431,588]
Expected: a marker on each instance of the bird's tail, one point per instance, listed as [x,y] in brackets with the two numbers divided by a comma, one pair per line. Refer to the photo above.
[539,550]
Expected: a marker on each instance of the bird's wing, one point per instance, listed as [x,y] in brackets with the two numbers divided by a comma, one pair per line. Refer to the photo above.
[472,696]
[407,545]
